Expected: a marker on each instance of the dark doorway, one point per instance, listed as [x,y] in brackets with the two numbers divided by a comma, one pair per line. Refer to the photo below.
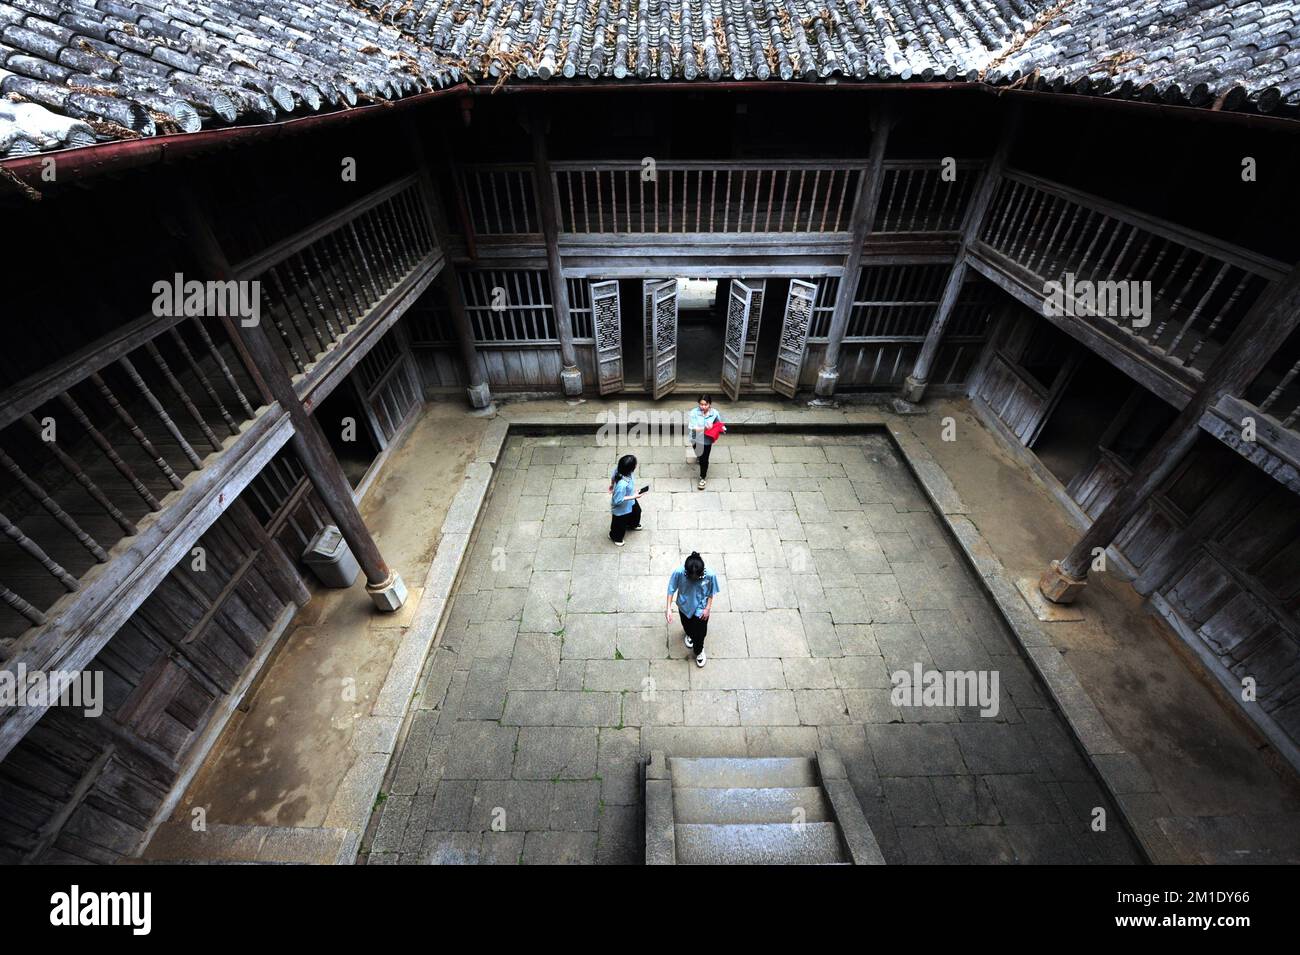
[701,321]
[632,325]
[1094,396]
[341,417]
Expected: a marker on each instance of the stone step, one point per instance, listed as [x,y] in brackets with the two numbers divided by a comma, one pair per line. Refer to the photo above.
[814,843]
[748,805]
[728,772]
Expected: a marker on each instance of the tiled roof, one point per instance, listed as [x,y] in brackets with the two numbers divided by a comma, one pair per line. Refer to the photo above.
[77,71]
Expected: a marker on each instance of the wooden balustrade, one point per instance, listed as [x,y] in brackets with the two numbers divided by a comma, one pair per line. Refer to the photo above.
[1197,288]
[499,199]
[317,285]
[676,197]
[918,196]
[96,443]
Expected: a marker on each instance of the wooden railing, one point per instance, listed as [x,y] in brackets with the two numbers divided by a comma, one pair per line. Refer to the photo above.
[715,197]
[91,446]
[1198,287]
[919,196]
[499,199]
[317,285]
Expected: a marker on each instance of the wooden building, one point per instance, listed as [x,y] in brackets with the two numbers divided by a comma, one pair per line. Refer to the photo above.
[616,197]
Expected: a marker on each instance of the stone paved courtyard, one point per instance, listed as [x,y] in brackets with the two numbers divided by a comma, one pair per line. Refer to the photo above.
[556,671]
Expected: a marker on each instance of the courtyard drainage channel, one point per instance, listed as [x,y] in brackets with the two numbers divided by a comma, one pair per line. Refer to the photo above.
[1118,772]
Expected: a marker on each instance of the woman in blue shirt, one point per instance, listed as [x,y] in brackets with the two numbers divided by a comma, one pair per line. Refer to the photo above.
[702,417]
[695,587]
[624,510]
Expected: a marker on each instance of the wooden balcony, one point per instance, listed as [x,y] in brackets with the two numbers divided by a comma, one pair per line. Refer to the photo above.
[122,455]
[1198,287]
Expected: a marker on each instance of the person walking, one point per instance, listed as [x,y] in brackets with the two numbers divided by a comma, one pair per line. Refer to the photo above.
[705,425]
[695,586]
[625,511]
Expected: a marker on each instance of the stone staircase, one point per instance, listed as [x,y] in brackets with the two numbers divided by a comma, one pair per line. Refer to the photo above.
[753,811]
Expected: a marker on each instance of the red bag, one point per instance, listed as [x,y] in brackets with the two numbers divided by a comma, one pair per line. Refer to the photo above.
[714,431]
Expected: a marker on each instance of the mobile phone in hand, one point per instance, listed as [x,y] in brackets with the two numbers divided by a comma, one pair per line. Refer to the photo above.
[646,488]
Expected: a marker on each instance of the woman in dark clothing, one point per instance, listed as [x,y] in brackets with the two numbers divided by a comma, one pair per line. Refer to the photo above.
[695,586]
[625,512]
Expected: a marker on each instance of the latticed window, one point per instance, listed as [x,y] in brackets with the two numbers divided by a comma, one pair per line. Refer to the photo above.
[508,306]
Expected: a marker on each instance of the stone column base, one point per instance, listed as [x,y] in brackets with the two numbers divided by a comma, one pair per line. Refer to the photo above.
[479,395]
[390,595]
[827,378]
[913,390]
[1059,587]
[571,381]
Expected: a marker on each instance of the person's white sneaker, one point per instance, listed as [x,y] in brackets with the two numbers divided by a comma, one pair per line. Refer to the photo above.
[701,484]
[618,543]
[687,641]
[701,659]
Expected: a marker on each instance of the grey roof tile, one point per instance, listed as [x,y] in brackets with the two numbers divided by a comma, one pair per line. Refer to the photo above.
[138,67]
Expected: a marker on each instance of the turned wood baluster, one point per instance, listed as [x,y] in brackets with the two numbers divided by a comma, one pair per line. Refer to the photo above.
[1010,202]
[1220,313]
[184,349]
[891,179]
[364,273]
[52,507]
[82,478]
[1200,305]
[287,303]
[1283,384]
[125,417]
[388,265]
[33,549]
[1033,216]
[33,615]
[1178,301]
[349,277]
[300,260]
[339,310]
[161,412]
[1038,264]
[182,394]
[278,321]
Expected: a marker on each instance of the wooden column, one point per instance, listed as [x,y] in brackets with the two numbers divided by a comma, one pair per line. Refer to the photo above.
[480,396]
[385,586]
[915,383]
[1263,330]
[864,214]
[544,186]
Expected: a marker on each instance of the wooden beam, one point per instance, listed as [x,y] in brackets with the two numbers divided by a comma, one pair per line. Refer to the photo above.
[915,383]
[544,187]
[384,585]
[480,396]
[864,214]
[1261,332]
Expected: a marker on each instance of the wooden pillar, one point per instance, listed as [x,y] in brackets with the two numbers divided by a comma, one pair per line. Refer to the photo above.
[915,383]
[544,185]
[385,586]
[480,396]
[1262,331]
[864,214]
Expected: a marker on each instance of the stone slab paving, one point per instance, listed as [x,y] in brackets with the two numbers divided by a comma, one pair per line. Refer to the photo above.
[557,673]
